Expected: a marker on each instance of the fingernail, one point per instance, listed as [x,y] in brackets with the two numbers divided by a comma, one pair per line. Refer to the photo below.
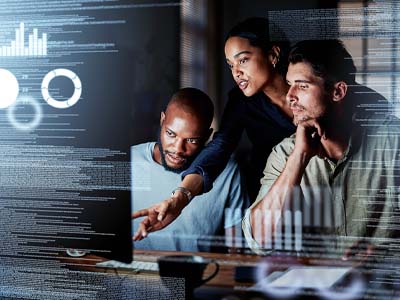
[159,218]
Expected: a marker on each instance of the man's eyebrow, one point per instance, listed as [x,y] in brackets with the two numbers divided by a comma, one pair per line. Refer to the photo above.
[174,133]
[169,129]
[303,81]
[195,138]
[300,81]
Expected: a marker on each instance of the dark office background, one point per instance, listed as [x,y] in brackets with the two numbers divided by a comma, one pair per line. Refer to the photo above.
[200,28]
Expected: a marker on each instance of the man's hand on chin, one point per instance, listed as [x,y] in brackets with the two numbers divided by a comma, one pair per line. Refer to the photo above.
[308,138]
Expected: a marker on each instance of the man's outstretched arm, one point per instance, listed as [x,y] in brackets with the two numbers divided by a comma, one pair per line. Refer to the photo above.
[164,213]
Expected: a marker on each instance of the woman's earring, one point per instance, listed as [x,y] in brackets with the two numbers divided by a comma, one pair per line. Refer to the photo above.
[276,60]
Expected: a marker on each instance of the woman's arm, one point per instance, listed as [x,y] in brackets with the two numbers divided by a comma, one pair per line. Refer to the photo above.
[212,160]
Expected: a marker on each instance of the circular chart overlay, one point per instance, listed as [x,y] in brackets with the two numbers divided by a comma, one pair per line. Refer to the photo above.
[9,88]
[77,88]
[28,125]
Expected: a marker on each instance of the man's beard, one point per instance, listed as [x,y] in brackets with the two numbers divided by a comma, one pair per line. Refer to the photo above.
[323,119]
[188,160]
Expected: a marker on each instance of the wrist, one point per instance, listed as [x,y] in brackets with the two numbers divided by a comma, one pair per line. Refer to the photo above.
[182,194]
[300,158]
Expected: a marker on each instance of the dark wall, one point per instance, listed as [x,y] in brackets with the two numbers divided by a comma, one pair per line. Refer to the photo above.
[154,56]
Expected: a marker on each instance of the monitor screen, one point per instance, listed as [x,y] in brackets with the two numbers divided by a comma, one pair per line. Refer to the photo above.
[83,84]
[78,82]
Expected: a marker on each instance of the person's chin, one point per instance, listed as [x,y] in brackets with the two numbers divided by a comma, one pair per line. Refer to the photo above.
[248,92]
[175,167]
[302,118]
[295,122]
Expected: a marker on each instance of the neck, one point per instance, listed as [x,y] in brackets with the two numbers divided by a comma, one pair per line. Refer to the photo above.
[338,137]
[157,154]
[276,91]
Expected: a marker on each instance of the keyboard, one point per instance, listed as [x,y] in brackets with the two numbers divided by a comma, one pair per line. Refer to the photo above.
[136,266]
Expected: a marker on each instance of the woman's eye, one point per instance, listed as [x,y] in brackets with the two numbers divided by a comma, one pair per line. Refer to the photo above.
[243,60]
[230,66]
[303,86]
[169,133]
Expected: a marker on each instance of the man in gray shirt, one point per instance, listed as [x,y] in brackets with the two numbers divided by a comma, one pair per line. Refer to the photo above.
[339,172]
[156,167]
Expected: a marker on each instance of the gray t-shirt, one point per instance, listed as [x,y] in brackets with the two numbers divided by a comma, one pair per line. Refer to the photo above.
[206,216]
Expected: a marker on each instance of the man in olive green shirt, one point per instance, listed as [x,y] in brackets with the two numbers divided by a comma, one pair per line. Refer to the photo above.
[337,173]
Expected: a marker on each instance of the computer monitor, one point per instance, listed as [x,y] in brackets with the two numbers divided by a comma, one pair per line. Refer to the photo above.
[77,83]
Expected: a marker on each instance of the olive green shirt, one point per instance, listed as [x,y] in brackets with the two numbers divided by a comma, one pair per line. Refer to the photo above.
[357,196]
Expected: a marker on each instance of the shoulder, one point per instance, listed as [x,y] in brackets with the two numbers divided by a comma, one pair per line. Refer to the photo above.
[232,165]
[149,146]
[285,147]
[231,175]
[277,160]
[384,134]
[368,102]
[387,127]
[232,168]
[142,151]
[391,122]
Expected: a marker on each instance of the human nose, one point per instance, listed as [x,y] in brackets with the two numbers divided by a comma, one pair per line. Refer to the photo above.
[291,94]
[179,146]
[236,72]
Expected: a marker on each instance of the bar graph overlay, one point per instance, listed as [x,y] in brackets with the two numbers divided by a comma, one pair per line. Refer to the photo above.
[34,45]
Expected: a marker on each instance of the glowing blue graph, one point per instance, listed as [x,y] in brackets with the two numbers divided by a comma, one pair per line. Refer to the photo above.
[35,46]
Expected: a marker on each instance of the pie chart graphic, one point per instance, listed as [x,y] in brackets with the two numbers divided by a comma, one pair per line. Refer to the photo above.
[9,88]
[77,88]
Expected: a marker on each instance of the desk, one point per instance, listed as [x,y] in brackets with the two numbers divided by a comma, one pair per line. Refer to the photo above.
[224,278]
[223,283]
[227,263]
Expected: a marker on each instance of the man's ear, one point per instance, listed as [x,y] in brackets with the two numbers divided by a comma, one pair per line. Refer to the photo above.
[339,91]
[162,118]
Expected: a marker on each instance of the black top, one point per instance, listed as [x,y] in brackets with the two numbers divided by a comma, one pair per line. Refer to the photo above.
[264,123]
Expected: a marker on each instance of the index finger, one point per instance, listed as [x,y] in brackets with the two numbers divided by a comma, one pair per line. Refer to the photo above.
[140,213]
[320,130]
[162,210]
[143,229]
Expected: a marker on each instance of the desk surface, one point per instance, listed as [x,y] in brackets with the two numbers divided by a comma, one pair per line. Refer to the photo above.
[224,281]
[227,263]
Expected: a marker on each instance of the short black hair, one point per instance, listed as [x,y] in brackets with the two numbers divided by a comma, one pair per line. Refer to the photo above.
[329,60]
[257,31]
[196,102]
